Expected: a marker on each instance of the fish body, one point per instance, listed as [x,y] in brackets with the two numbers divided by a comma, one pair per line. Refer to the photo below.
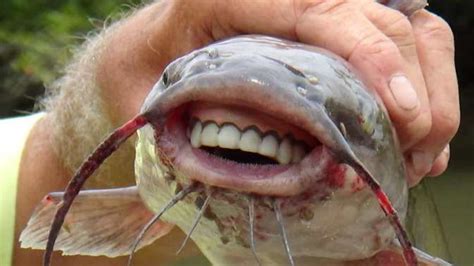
[297,75]
[327,204]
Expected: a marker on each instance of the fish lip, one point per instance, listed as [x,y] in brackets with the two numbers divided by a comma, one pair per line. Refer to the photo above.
[309,115]
[275,180]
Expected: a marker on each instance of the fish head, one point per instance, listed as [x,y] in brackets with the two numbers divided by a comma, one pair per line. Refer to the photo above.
[256,121]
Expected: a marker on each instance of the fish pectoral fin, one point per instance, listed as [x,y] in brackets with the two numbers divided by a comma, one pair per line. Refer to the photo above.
[100,222]
[393,255]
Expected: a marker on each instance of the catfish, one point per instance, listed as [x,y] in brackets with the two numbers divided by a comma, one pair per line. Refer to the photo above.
[252,145]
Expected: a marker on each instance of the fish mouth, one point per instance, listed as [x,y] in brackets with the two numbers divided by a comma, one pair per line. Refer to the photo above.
[256,98]
[243,149]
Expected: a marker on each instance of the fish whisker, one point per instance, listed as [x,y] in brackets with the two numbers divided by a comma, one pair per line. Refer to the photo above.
[196,221]
[276,208]
[179,196]
[251,223]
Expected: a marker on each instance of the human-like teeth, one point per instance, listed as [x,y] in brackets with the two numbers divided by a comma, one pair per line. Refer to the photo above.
[250,141]
[196,135]
[284,152]
[297,153]
[269,146]
[229,136]
[209,135]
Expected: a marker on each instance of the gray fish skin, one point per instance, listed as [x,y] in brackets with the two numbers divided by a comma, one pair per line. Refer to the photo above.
[407,7]
[305,86]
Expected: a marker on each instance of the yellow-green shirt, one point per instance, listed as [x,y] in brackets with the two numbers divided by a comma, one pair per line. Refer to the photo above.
[13,135]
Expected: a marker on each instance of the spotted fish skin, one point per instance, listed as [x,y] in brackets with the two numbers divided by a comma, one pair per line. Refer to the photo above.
[309,80]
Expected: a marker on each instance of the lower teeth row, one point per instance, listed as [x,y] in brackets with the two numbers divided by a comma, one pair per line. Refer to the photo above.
[229,136]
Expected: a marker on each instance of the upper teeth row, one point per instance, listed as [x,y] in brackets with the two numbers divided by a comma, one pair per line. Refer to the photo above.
[230,137]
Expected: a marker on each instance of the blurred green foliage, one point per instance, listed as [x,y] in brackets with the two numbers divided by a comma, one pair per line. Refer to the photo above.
[36,40]
[45,31]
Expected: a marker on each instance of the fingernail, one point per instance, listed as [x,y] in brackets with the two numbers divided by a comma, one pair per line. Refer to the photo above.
[422,162]
[404,93]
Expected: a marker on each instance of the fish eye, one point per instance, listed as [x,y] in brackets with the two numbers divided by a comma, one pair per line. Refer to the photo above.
[165,79]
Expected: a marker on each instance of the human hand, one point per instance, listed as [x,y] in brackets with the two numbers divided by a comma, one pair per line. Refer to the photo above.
[408,61]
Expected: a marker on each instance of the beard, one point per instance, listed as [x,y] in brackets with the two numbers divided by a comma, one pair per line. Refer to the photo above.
[80,118]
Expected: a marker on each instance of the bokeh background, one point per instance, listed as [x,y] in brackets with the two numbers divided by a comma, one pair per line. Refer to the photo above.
[38,37]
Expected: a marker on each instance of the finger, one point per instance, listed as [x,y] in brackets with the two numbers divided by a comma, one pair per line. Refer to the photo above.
[413,177]
[232,17]
[435,168]
[435,47]
[441,163]
[397,27]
